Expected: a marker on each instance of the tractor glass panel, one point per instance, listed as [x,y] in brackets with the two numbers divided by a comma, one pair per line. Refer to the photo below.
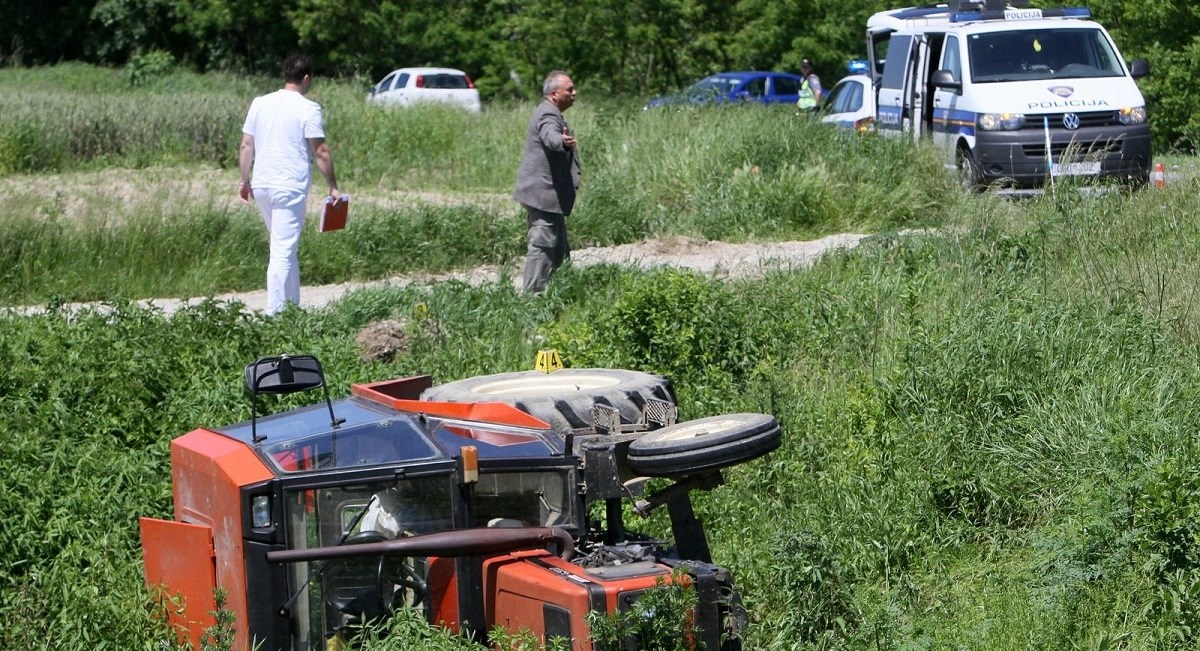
[337,595]
[384,442]
[1031,55]
[539,499]
[497,441]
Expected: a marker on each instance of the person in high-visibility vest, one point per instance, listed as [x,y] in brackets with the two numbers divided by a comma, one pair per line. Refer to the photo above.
[810,89]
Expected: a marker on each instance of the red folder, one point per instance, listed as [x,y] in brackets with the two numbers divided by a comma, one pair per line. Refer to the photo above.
[334,213]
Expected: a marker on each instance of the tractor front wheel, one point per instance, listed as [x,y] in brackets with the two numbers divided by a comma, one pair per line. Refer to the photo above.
[704,444]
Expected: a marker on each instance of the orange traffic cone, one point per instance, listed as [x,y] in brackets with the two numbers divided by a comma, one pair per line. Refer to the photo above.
[1160,177]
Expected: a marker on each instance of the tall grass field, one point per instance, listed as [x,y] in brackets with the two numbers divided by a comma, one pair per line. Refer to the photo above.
[989,424]
[170,226]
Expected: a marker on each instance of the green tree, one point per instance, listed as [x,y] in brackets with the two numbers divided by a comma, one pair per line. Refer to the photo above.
[43,32]
[128,27]
[251,35]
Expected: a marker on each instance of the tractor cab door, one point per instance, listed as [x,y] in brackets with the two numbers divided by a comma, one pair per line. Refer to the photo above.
[179,561]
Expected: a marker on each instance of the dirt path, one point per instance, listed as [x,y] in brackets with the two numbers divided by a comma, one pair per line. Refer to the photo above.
[716,259]
[83,194]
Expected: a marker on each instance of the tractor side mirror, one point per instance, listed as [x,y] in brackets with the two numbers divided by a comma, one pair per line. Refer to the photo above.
[283,375]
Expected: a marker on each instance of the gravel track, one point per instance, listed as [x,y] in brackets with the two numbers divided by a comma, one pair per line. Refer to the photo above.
[715,259]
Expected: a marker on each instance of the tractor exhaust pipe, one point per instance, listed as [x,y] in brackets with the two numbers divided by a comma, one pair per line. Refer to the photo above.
[460,542]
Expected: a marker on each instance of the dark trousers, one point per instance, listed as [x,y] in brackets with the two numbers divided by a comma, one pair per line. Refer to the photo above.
[547,248]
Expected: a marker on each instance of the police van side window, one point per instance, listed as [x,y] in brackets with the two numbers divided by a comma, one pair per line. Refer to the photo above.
[897,62]
[951,59]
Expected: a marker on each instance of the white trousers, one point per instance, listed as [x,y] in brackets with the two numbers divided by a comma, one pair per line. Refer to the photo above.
[283,214]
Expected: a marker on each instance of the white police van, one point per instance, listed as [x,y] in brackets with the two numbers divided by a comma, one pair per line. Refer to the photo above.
[1019,95]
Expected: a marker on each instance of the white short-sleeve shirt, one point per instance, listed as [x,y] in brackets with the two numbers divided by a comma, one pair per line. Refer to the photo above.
[281,124]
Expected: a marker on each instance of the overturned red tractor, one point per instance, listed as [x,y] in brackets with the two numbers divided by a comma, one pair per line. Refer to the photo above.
[492,501]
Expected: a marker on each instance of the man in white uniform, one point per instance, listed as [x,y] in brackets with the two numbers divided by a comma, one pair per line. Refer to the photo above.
[284,132]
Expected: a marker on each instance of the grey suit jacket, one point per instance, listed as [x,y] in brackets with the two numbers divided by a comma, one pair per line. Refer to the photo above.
[549,173]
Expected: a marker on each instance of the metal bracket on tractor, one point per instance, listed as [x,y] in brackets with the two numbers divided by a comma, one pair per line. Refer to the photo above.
[655,413]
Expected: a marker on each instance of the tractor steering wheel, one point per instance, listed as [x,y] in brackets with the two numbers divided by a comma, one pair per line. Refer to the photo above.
[399,584]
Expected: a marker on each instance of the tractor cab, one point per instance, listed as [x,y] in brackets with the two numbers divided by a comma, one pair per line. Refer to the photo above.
[318,520]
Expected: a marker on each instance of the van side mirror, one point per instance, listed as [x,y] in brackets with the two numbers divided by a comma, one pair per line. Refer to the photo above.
[945,79]
[1139,68]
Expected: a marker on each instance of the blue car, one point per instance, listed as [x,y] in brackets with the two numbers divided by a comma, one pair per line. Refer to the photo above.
[725,87]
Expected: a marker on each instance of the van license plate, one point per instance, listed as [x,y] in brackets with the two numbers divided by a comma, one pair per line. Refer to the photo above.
[1075,169]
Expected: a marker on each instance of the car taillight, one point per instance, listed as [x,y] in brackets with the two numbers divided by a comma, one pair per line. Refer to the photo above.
[470,84]
[420,81]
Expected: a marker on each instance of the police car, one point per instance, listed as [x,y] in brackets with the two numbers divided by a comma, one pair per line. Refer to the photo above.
[1018,96]
[850,104]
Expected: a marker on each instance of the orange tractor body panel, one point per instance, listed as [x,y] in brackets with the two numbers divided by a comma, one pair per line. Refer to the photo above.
[180,555]
[550,597]
[208,471]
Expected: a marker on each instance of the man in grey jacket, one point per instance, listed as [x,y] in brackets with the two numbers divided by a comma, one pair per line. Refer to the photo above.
[546,182]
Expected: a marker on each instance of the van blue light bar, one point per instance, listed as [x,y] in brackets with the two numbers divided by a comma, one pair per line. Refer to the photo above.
[1020,14]
[918,12]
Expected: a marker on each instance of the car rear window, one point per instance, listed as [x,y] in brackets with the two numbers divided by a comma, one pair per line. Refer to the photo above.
[446,81]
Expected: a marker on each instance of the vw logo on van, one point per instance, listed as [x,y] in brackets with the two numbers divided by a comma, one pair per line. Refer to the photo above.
[1071,121]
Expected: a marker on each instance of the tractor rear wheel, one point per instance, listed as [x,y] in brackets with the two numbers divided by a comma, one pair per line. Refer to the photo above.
[704,444]
[562,398]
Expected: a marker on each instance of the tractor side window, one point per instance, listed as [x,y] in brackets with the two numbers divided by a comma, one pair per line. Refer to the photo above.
[535,499]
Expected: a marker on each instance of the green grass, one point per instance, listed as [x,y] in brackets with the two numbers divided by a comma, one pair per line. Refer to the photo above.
[989,430]
[735,174]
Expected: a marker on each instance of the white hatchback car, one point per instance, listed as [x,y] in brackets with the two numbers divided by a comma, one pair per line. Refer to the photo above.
[408,86]
[851,104]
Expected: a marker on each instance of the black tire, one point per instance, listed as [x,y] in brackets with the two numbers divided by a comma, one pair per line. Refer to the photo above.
[704,444]
[563,398]
[969,173]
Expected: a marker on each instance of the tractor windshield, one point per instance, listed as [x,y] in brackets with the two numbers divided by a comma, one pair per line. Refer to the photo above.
[334,598]
[338,596]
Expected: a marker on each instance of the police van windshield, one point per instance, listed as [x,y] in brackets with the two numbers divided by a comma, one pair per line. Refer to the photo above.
[1030,55]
